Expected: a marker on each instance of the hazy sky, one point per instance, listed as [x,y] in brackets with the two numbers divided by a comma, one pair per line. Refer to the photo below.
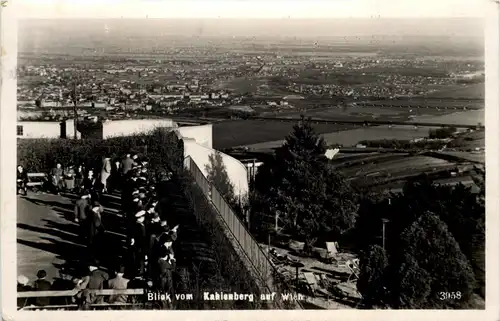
[249,8]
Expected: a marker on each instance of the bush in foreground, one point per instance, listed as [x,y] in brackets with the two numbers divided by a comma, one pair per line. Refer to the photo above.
[161,146]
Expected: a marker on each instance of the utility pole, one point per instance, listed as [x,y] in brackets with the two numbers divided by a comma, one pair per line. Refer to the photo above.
[384,221]
[75,113]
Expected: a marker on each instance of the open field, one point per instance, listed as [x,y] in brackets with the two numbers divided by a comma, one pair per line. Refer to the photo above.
[354,136]
[470,117]
[389,171]
[394,166]
[475,91]
[228,134]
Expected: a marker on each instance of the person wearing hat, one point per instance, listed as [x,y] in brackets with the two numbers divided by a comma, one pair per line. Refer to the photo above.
[118,283]
[139,243]
[41,284]
[97,279]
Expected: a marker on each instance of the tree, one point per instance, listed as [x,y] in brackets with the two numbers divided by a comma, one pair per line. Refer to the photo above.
[428,246]
[410,285]
[371,278]
[218,177]
[312,199]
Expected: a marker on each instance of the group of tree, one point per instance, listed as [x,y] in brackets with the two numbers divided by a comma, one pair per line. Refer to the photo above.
[434,247]
[433,253]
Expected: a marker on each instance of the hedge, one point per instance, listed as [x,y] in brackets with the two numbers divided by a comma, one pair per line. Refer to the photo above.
[161,147]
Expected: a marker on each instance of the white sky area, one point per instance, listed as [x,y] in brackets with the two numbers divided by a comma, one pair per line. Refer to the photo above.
[53,9]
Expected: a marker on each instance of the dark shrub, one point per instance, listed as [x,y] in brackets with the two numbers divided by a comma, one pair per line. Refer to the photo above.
[160,146]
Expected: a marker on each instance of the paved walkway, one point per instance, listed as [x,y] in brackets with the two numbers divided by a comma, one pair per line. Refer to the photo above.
[44,235]
[47,237]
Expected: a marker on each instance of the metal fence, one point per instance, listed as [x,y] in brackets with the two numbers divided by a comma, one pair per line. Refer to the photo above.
[250,247]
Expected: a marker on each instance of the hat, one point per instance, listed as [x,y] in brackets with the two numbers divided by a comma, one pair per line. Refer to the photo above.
[135,192]
[121,269]
[22,280]
[140,214]
[144,170]
[135,200]
[96,209]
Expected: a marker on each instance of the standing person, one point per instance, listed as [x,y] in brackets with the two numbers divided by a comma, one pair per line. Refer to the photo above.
[22,180]
[164,281]
[79,176]
[69,178]
[95,230]
[89,180]
[105,173]
[41,284]
[116,178]
[118,283]
[97,280]
[82,208]
[138,243]
[57,174]
[153,229]
[127,164]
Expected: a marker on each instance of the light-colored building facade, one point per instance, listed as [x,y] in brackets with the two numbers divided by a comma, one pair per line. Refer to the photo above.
[197,142]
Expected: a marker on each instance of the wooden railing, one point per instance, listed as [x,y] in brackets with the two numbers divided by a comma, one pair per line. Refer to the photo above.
[71,293]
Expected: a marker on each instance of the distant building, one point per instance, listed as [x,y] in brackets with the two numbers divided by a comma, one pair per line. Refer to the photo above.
[45,129]
[99,104]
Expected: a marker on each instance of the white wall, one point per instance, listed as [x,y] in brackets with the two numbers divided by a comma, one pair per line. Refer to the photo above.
[202,134]
[132,126]
[45,129]
[237,172]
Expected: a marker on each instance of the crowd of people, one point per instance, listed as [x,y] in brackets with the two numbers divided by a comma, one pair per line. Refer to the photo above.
[148,261]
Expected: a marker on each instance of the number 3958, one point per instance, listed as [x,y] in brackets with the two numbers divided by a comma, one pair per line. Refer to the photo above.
[450,295]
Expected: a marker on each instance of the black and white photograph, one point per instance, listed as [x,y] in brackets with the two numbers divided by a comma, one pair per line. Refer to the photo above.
[249,155]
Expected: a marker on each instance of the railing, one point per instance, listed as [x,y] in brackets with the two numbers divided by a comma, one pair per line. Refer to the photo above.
[72,293]
[259,260]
